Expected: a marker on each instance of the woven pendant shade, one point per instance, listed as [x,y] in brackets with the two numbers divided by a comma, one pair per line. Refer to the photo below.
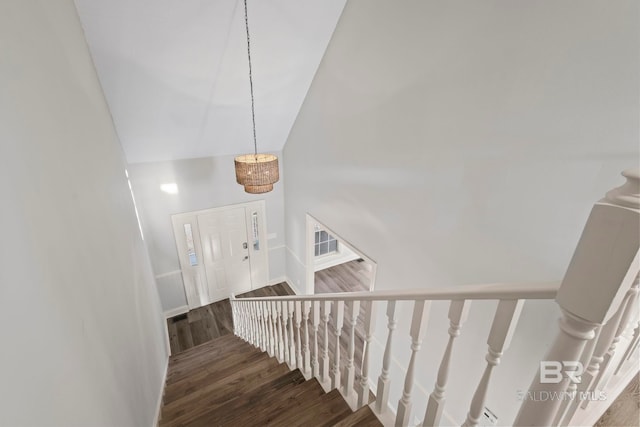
[257,170]
[258,189]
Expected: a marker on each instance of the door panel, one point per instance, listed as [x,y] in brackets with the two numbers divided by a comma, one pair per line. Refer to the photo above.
[225,257]
[216,259]
[187,237]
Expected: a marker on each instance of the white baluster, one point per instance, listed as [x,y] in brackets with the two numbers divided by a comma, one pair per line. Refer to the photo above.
[298,314]
[635,339]
[259,325]
[281,343]
[263,327]
[292,345]
[382,394]
[566,411]
[266,307]
[306,305]
[238,325]
[597,368]
[504,324]
[626,308]
[315,355]
[253,324]
[276,331]
[418,324]
[256,322]
[589,378]
[338,317]
[324,367]
[247,324]
[354,311]
[246,331]
[234,315]
[631,334]
[369,326]
[285,337]
[458,311]
[241,316]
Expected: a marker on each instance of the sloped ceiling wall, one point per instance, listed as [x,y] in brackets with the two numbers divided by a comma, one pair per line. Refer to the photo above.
[175,73]
[465,142]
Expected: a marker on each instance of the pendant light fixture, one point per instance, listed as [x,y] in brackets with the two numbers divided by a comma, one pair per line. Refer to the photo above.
[257,172]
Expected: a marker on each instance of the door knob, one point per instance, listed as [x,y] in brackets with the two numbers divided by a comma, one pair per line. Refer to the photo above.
[246,257]
[244,245]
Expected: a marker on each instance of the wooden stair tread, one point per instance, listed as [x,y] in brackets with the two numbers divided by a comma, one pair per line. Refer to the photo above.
[216,372]
[363,417]
[197,349]
[209,357]
[263,403]
[207,351]
[324,410]
[213,395]
[228,382]
[291,402]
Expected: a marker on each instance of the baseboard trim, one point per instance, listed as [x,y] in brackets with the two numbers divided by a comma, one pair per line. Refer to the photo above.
[277,280]
[156,421]
[293,288]
[176,311]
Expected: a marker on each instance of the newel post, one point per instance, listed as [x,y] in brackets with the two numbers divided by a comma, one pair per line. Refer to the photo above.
[603,268]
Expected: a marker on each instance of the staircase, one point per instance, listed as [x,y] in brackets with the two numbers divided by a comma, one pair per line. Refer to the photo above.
[595,351]
[288,364]
[227,382]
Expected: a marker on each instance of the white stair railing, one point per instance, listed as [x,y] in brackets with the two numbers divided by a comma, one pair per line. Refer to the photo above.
[598,298]
[324,313]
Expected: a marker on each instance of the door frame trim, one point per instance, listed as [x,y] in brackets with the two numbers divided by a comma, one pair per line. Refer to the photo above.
[256,271]
[310,255]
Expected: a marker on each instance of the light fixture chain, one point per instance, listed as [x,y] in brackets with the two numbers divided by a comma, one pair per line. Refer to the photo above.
[253,113]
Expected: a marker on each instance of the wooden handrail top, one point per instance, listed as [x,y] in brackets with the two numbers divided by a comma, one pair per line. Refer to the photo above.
[489,291]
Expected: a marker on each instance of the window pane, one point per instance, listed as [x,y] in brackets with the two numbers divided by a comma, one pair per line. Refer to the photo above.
[324,248]
[317,237]
[317,250]
[333,245]
[324,236]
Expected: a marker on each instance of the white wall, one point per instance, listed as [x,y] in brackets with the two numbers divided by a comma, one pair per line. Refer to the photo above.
[202,183]
[465,142]
[82,339]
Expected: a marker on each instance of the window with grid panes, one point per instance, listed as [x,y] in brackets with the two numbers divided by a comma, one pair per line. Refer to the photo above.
[325,243]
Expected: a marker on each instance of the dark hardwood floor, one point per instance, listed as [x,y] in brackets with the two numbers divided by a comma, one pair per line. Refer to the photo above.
[228,382]
[212,321]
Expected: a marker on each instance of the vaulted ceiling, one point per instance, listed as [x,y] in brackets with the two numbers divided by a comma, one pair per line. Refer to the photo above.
[175,73]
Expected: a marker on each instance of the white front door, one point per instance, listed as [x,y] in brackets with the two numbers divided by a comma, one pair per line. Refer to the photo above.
[225,252]
[221,251]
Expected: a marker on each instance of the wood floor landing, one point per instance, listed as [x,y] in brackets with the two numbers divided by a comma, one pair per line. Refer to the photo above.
[227,382]
[211,321]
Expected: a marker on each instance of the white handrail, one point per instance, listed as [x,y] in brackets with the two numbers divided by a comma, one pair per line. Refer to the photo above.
[502,291]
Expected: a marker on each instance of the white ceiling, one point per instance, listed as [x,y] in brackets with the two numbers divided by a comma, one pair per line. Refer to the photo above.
[175,72]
